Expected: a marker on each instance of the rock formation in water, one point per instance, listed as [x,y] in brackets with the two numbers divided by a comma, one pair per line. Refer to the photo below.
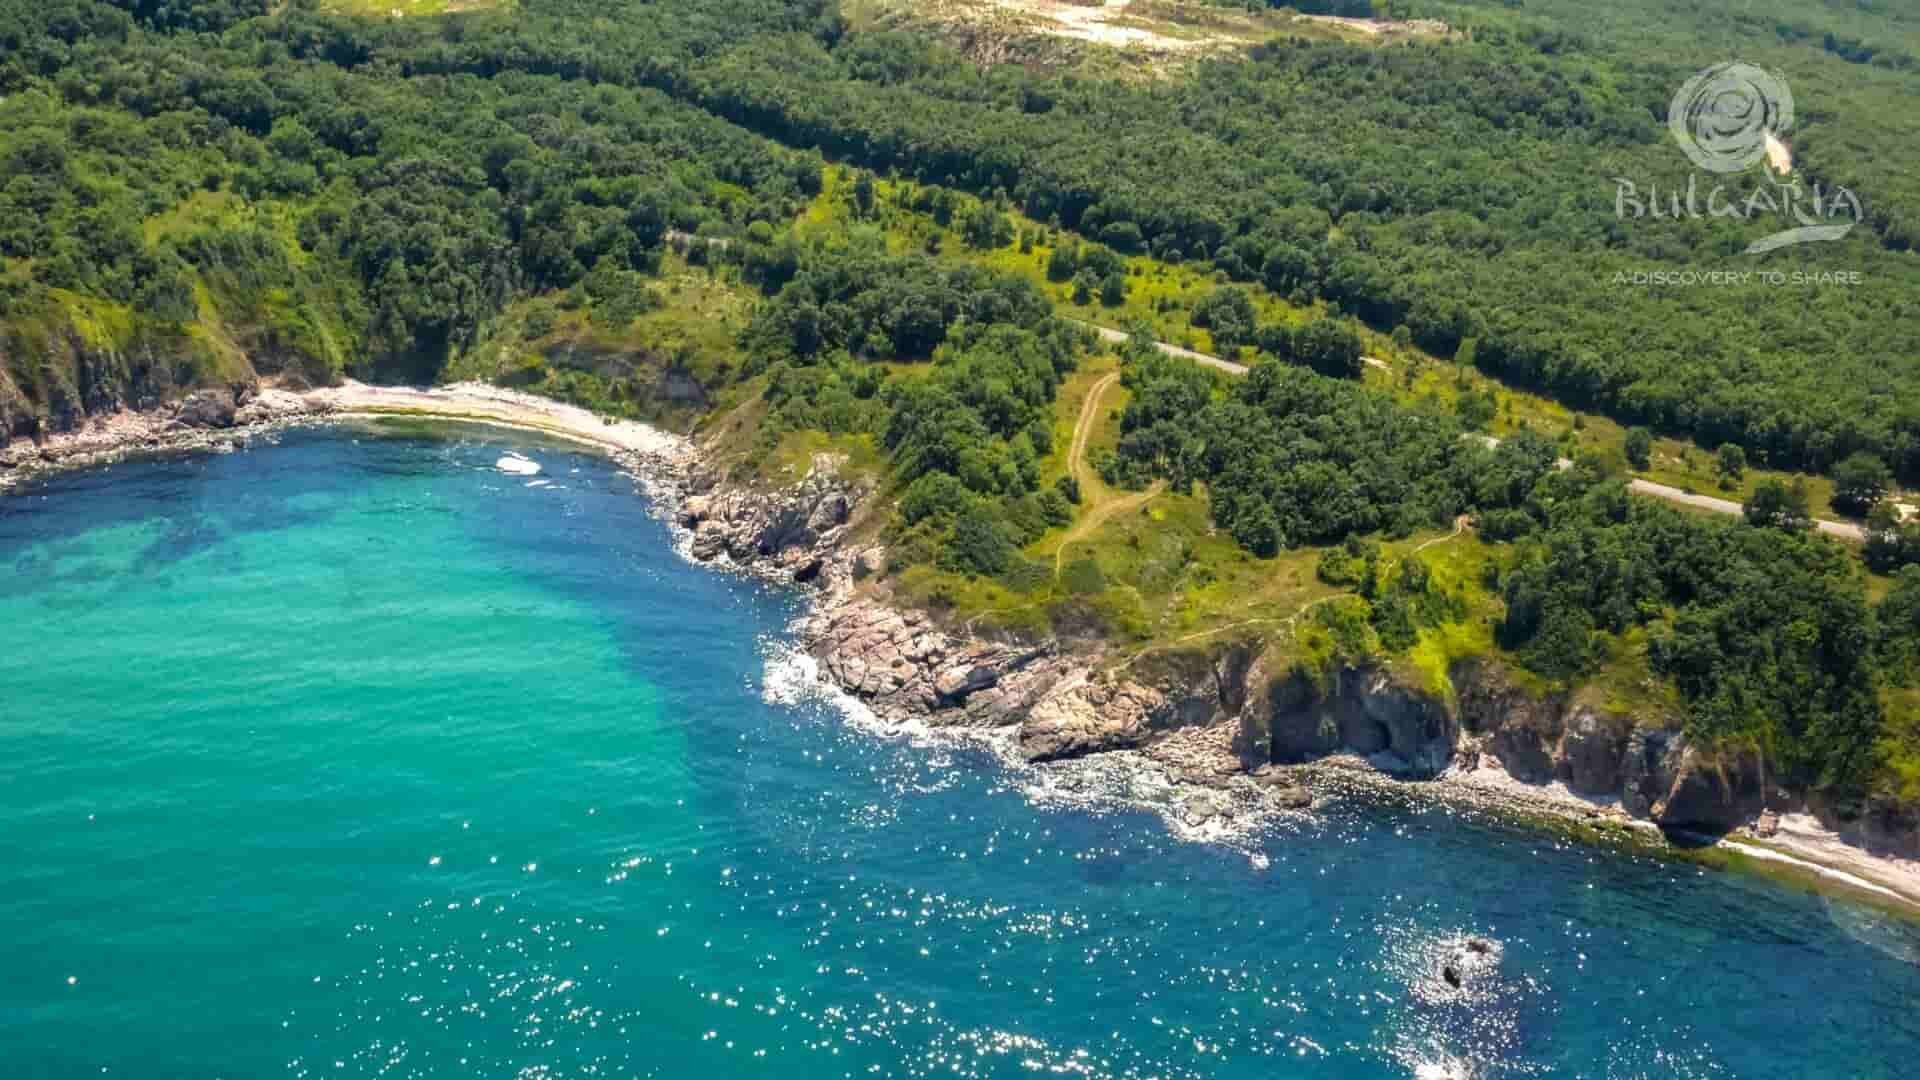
[1468,961]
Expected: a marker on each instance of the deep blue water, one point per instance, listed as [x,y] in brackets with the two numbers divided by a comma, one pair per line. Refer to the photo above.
[357,756]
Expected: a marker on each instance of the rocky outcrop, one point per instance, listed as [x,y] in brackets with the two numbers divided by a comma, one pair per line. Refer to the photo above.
[1492,723]
[789,532]
[1538,738]
[1089,716]
[1593,749]
[1876,822]
[214,408]
[903,666]
[658,388]
[1357,710]
[66,365]
[1467,961]
[1285,789]
[213,419]
[1668,780]
[1517,730]
[1151,696]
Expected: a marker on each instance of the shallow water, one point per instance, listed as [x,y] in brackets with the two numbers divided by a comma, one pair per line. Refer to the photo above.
[363,756]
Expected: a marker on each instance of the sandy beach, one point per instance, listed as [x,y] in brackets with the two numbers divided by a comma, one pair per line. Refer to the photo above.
[493,405]
[115,436]
[1800,842]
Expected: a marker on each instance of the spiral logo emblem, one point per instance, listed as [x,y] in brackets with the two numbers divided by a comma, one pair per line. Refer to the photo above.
[1722,116]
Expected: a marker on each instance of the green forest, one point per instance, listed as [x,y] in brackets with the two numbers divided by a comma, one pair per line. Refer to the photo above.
[597,199]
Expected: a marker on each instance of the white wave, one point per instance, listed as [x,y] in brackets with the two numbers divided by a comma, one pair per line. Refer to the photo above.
[793,677]
[1098,783]
[517,464]
[1875,929]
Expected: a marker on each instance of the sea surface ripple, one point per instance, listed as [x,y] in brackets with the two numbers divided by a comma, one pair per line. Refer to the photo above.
[421,754]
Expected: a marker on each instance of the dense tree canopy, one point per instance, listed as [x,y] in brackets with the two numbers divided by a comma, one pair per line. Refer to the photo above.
[182,182]
[1290,457]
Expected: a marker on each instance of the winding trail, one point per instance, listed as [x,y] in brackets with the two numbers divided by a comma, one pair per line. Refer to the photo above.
[1103,510]
[1842,530]
[1083,426]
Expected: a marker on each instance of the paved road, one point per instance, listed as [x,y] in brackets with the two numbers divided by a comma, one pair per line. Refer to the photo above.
[1117,337]
[1841,529]
[1844,530]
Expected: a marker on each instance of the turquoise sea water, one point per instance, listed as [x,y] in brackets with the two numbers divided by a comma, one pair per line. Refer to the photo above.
[357,756]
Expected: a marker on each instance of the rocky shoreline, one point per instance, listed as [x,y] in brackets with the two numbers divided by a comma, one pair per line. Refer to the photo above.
[1232,742]
[214,421]
[1207,737]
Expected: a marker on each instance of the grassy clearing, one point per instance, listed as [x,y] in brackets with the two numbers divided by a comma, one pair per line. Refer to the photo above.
[1458,565]
[657,365]
[1103,435]
[792,459]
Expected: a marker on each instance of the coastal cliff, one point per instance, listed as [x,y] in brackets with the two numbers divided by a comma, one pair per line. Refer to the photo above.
[1215,715]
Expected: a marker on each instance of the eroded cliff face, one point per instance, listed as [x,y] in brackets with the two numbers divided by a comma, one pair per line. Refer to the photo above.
[1354,710]
[57,371]
[1493,724]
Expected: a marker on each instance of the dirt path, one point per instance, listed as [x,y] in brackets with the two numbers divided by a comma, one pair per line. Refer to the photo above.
[1082,427]
[1120,337]
[1100,516]
[1844,530]
[1101,510]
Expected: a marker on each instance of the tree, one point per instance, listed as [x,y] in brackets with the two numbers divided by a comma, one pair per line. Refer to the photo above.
[980,546]
[1730,462]
[863,193]
[1062,262]
[1639,448]
[1476,409]
[1776,505]
[936,494]
[1891,542]
[1860,481]
[1330,347]
[1899,621]
[1084,287]
[1258,530]
[1113,290]
[1228,313]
